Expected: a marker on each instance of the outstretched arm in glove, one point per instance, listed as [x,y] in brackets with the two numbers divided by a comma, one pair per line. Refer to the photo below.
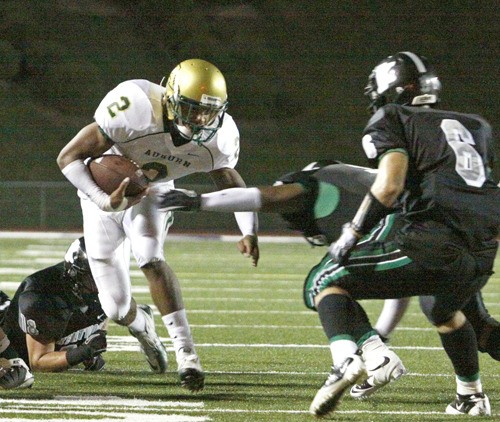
[277,199]
[283,198]
[44,357]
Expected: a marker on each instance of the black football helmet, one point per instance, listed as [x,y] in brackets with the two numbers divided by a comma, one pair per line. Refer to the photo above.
[404,78]
[77,270]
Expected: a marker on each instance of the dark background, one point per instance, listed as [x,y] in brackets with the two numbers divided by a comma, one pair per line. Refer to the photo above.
[295,72]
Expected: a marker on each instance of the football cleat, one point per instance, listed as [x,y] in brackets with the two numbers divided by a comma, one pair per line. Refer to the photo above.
[382,370]
[473,404]
[151,345]
[15,374]
[190,372]
[340,378]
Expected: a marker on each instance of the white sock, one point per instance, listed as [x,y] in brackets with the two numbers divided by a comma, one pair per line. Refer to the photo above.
[178,329]
[372,343]
[139,323]
[342,349]
[372,349]
[465,388]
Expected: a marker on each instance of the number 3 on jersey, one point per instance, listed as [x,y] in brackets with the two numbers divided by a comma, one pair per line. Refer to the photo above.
[469,164]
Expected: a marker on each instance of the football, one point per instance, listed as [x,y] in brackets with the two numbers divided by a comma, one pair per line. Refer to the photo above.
[109,170]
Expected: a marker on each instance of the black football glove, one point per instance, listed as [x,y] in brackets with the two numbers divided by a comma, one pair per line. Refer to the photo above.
[97,342]
[180,200]
[94,345]
[94,364]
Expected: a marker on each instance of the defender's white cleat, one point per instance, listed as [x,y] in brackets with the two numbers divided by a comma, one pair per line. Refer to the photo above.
[190,371]
[383,366]
[340,378]
[472,404]
[14,373]
[151,345]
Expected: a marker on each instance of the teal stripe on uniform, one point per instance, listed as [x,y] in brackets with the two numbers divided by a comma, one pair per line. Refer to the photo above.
[366,336]
[472,378]
[395,263]
[327,200]
[387,227]
[341,337]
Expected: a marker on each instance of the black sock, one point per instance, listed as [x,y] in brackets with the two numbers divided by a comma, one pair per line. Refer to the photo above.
[363,326]
[9,353]
[339,314]
[461,347]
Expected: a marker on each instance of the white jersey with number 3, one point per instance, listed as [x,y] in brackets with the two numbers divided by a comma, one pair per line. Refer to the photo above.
[131,115]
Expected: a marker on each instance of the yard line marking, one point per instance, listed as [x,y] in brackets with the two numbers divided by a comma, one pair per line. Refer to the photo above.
[18,271]
[340,412]
[239,299]
[111,416]
[38,235]
[243,312]
[291,327]
[167,418]
[171,236]
[70,405]
[258,289]
[412,374]
[112,407]
[129,343]
[106,400]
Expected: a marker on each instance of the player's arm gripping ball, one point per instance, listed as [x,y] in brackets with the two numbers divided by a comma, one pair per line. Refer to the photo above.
[93,346]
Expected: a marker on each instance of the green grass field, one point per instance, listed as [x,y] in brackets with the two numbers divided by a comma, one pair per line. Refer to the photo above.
[264,353]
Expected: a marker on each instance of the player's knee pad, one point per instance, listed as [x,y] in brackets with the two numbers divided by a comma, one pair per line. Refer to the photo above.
[155,264]
[113,283]
[147,259]
[147,249]
[115,310]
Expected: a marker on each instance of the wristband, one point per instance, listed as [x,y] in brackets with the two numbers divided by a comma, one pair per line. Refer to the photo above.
[370,212]
[79,175]
[247,222]
[78,354]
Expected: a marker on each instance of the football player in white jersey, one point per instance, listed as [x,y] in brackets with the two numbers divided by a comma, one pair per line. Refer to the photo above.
[170,130]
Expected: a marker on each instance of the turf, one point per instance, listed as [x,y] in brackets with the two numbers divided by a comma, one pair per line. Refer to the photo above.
[264,353]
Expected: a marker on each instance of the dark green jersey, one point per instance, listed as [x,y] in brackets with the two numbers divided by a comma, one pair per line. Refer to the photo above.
[42,308]
[333,195]
[448,180]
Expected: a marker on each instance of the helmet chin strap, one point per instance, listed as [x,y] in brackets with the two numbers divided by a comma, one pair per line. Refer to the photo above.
[190,135]
[184,131]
